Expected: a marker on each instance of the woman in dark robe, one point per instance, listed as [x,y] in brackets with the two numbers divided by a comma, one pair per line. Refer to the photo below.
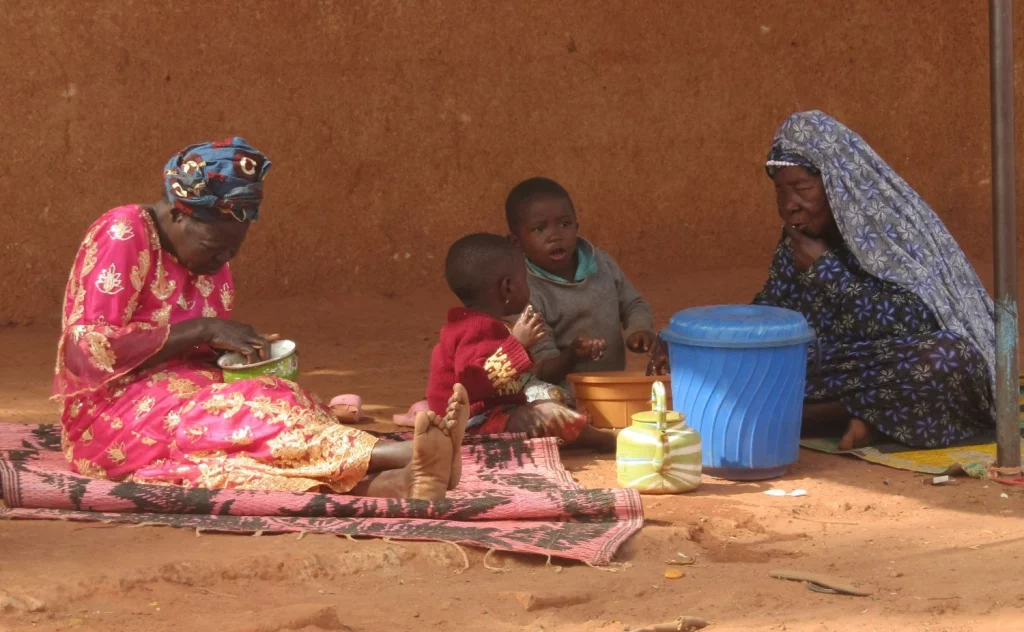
[905,330]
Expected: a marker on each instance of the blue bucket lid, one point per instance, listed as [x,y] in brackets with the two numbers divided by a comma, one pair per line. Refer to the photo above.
[738,326]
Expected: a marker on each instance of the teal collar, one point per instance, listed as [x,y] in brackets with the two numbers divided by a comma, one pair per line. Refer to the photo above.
[586,267]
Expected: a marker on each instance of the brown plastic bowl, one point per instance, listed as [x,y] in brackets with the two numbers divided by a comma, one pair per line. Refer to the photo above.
[613,397]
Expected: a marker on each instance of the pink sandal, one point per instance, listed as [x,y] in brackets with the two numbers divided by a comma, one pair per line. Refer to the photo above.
[408,420]
[347,408]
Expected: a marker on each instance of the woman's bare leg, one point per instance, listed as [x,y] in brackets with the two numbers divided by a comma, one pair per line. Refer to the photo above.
[421,468]
[390,455]
[426,473]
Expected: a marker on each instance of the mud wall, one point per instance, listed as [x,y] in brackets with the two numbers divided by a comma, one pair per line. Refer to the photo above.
[396,126]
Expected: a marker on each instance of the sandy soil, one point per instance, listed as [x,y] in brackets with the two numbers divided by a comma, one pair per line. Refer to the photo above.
[939,558]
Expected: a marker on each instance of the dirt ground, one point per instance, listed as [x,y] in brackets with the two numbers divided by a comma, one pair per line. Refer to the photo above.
[939,558]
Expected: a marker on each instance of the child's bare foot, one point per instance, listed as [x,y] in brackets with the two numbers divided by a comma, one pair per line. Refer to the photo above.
[431,465]
[454,422]
[858,435]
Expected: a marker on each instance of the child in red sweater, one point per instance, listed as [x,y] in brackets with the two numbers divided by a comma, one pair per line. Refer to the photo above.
[478,350]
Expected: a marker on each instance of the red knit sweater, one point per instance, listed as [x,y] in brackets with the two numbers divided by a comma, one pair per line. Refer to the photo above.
[479,352]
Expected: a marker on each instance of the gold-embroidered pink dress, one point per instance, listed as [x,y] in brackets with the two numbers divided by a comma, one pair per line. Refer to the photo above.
[177,422]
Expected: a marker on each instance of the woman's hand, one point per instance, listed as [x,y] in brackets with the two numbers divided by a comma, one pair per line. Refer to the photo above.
[806,250]
[529,328]
[227,335]
[641,341]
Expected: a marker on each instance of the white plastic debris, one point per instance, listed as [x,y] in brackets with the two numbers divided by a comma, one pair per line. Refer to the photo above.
[782,492]
[1004,495]
[940,480]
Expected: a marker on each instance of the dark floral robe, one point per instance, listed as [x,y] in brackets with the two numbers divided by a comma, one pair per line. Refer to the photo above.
[881,352]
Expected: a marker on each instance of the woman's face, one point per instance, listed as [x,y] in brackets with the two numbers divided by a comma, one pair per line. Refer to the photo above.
[803,203]
[205,247]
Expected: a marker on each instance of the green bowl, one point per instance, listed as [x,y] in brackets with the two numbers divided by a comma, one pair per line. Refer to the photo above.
[283,363]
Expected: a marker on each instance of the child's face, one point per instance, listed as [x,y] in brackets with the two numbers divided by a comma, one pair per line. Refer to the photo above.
[518,289]
[547,233]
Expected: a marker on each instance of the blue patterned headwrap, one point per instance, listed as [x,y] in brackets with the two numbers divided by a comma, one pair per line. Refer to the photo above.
[888,227]
[217,181]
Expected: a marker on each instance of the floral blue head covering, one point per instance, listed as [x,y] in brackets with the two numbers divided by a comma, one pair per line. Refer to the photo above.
[888,227]
[217,181]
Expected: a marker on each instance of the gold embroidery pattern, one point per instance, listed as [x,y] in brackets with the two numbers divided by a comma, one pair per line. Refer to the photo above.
[144,405]
[226,406]
[183,388]
[86,437]
[501,373]
[172,420]
[242,436]
[78,307]
[117,453]
[72,291]
[140,271]
[89,262]
[317,452]
[227,297]
[162,288]
[208,312]
[109,281]
[66,446]
[154,238]
[86,467]
[116,423]
[100,353]
[158,377]
[185,305]
[121,230]
[195,433]
[264,409]
[161,317]
[204,285]
[129,309]
[74,409]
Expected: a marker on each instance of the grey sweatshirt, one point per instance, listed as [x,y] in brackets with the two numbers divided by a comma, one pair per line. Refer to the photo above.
[600,306]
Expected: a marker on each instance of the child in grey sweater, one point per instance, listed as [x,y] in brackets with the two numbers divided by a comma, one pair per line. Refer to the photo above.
[583,296]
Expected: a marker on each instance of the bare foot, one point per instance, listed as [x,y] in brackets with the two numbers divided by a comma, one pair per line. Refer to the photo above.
[858,435]
[454,424]
[431,464]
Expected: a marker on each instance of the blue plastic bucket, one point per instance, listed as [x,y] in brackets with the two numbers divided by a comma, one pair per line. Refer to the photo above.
[738,373]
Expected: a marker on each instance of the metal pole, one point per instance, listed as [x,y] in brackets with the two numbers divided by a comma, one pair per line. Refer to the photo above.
[1004,234]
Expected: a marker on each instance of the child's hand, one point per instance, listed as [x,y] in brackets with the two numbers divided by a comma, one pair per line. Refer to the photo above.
[529,328]
[659,364]
[589,348]
[641,341]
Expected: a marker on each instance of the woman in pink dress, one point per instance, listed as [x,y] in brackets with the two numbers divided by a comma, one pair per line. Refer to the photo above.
[146,311]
